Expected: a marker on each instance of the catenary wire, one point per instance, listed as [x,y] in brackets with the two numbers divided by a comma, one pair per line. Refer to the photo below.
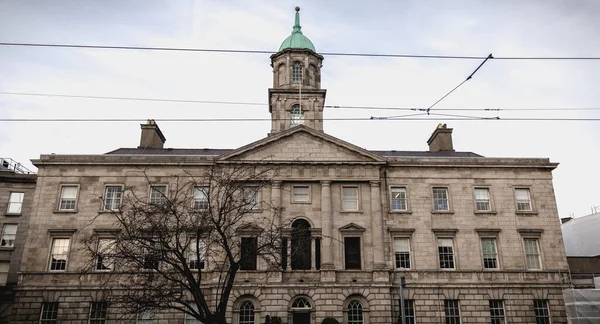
[466,118]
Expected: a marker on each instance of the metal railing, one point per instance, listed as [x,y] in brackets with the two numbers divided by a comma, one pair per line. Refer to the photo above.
[10,165]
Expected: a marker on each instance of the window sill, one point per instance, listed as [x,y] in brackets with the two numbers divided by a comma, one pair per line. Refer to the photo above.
[108,211]
[60,211]
[257,210]
[402,269]
[450,212]
[526,213]
[351,211]
[400,212]
[301,202]
[7,248]
[12,214]
[485,212]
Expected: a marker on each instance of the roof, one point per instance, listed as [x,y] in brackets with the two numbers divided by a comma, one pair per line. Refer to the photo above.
[297,39]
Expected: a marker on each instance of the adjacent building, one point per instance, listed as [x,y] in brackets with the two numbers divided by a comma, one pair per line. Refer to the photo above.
[476,239]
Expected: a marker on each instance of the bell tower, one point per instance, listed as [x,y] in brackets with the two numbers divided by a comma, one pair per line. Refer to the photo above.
[296,97]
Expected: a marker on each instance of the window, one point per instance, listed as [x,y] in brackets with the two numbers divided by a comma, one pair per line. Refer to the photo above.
[59,254]
[195,255]
[106,248]
[296,115]
[98,312]
[145,317]
[355,312]
[542,313]
[9,234]
[248,255]
[497,312]
[490,254]
[15,203]
[297,72]
[152,256]
[352,253]
[158,195]
[452,311]
[301,194]
[189,319]
[350,198]
[409,312]
[246,313]
[532,253]
[68,198]
[482,199]
[446,253]
[398,202]
[112,197]
[4,267]
[402,252]
[201,198]
[49,313]
[440,199]
[523,199]
[301,245]
[251,197]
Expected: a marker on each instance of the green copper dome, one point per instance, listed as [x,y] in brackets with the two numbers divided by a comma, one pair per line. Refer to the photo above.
[296,39]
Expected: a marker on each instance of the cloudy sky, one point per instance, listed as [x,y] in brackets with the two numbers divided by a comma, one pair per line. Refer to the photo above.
[463,28]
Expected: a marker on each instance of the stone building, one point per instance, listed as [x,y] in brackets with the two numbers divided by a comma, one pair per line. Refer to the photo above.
[477,239]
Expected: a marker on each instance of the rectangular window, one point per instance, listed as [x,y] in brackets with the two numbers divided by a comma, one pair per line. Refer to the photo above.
[98,312]
[301,194]
[402,252]
[195,255]
[352,253]
[189,319]
[9,235]
[59,254]
[112,197]
[4,267]
[152,256]
[105,260]
[145,317]
[482,199]
[398,202]
[251,197]
[201,198]
[497,312]
[158,195]
[15,203]
[452,311]
[532,253]
[523,199]
[490,253]
[440,199]
[409,312]
[248,255]
[350,198]
[541,310]
[446,253]
[68,197]
[49,313]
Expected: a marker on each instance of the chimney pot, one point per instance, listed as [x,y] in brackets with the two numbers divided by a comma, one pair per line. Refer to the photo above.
[151,137]
[441,139]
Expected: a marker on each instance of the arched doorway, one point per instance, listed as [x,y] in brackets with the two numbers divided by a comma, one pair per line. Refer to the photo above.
[301,245]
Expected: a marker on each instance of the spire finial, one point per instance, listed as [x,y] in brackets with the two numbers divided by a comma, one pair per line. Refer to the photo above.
[297,28]
[297,9]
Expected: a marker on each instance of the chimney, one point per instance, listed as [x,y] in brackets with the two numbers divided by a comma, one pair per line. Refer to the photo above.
[441,139]
[152,137]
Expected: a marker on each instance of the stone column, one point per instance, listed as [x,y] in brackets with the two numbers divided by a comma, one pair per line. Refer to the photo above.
[377,226]
[327,223]
[276,201]
[313,255]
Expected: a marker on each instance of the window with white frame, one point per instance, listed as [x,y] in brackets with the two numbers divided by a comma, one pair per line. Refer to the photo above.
[440,199]
[541,310]
[201,198]
[409,311]
[246,313]
[532,253]
[490,253]
[300,194]
[158,195]
[402,252]
[68,197]
[523,199]
[452,311]
[145,317]
[15,203]
[49,313]
[446,252]
[152,256]
[482,199]
[9,235]
[398,199]
[350,198]
[105,253]
[355,312]
[112,197]
[497,312]
[98,312]
[251,197]
[189,319]
[296,115]
[297,72]
[59,254]
[195,254]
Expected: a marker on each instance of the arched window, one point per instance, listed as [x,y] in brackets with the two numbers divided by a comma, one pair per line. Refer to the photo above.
[297,72]
[246,313]
[355,312]
[301,303]
[301,245]
[297,115]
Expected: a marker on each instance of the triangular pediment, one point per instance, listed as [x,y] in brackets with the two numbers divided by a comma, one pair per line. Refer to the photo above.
[249,228]
[302,144]
[352,228]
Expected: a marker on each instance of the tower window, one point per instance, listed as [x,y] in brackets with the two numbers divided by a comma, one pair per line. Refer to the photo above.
[297,116]
[297,72]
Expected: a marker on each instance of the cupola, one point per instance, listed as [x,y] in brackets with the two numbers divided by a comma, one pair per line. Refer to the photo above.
[297,39]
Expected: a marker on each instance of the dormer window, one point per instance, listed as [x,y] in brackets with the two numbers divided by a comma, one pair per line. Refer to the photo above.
[297,72]
[296,115]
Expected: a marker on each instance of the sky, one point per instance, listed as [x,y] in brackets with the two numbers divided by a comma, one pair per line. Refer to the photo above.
[511,28]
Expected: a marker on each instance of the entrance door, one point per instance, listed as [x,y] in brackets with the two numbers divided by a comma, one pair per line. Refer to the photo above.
[301,318]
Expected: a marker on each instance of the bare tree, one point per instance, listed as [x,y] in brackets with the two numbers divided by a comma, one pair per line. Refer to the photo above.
[180,249]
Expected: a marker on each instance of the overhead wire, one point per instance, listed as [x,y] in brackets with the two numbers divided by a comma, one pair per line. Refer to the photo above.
[466,118]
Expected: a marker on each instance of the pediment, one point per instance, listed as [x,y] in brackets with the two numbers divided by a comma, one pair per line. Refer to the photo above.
[249,228]
[352,228]
[302,144]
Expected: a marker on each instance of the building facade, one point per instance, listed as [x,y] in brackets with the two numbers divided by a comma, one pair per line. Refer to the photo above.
[476,239]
